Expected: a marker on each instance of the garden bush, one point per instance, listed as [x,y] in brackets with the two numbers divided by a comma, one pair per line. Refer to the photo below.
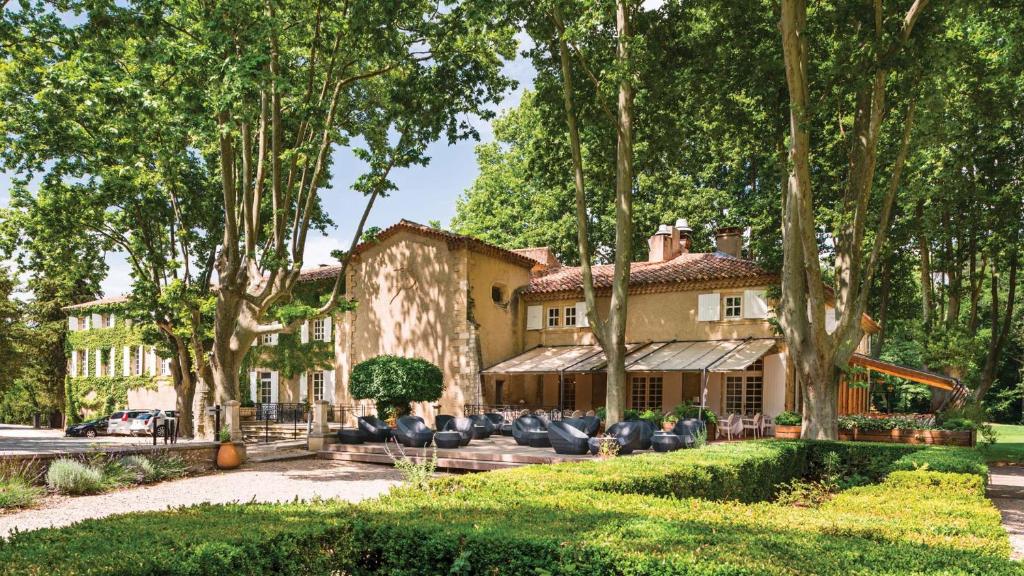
[68,476]
[622,516]
[17,492]
[393,382]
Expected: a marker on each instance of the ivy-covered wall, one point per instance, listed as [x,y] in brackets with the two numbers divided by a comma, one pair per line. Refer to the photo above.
[103,394]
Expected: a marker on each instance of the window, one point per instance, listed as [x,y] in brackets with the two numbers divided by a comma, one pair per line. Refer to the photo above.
[267,339]
[317,386]
[139,365]
[104,367]
[264,382]
[165,367]
[553,314]
[569,394]
[320,330]
[646,393]
[744,394]
[733,307]
[498,294]
[83,363]
[570,316]
[499,391]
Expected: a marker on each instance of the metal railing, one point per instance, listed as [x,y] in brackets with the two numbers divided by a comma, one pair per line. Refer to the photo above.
[282,413]
[346,414]
[512,411]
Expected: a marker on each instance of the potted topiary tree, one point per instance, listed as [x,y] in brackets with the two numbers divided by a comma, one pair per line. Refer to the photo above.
[787,425]
[395,382]
[668,423]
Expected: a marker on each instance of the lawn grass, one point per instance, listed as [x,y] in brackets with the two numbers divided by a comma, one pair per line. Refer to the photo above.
[1009,446]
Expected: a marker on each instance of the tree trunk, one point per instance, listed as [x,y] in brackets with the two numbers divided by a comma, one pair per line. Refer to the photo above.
[1000,328]
[926,272]
[185,388]
[877,345]
[820,385]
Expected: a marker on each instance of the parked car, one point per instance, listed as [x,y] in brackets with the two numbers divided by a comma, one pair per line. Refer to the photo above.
[120,422]
[142,424]
[89,429]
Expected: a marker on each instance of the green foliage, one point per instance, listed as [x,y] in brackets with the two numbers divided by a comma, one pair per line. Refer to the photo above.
[561,519]
[417,475]
[788,418]
[68,476]
[944,459]
[690,410]
[224,434]
[104,394]
[393,382]
[152,468]
[17,492]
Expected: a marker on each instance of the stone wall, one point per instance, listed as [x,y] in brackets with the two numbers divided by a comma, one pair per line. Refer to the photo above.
[200,456]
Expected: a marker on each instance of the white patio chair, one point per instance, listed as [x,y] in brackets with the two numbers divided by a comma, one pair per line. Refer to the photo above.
[733,425]
[756,424]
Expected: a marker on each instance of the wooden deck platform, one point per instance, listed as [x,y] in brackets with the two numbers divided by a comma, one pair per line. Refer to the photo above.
[493,453]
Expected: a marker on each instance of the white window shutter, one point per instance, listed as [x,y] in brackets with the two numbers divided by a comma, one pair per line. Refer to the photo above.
[126,361]
[140,359]
[252,387]
[99,363]
[329,385]
[755,304]
[581,315]
[534,317]
[273,387]
[86,322]
[111,325]
[327,329]
[303,387]
[151,361]
[830,320]
[74,362]
[709,306]
[96,321]
[304,332]
[72,323]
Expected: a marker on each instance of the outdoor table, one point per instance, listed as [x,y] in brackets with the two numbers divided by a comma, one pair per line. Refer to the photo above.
[447,439]
[506,429]
[665,442]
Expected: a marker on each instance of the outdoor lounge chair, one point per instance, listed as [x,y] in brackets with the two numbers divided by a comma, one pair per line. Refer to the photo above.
[413,433]
[523,425]
[496,419]
[567,439]
[441,421]
[374,429]
[591,425]
[464,426]
[576,423]
[687,430]
[485,422]
[629,433]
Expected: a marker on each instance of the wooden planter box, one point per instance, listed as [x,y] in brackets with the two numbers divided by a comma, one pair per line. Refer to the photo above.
[944,437]
[787,432]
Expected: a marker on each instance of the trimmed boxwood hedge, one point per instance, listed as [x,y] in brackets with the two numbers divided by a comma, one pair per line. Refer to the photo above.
[626,516]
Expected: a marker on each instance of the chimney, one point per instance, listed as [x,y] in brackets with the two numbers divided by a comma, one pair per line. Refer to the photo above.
[729,241]
[660,244]
[685,235]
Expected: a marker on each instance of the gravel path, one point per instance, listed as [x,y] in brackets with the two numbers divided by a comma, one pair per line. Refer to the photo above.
[1006,489]
[265,482]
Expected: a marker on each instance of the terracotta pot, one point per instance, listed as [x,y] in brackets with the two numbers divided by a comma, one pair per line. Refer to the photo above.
[227,456]
[668,426]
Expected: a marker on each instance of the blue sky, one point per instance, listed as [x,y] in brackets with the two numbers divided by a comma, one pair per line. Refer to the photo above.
[424,193]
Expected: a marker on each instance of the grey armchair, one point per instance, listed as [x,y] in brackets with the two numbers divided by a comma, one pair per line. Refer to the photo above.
[566,438]
[374,429]
[523,426]
[413,433]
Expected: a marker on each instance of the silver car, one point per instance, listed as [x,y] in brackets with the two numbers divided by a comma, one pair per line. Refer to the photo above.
[142,424]
[120,422]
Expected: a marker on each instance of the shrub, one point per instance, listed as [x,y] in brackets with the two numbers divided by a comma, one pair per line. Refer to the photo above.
[68,476]
[788,418]
[560,519]
[17,492]
[394,382]
[650,416]
[689,410]
[950,459]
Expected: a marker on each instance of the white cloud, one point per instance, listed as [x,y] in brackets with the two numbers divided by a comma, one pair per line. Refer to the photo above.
[318,251]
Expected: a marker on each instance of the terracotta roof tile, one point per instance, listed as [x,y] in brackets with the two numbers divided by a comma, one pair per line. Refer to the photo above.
[98,302]
[451,238]
[691,268]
